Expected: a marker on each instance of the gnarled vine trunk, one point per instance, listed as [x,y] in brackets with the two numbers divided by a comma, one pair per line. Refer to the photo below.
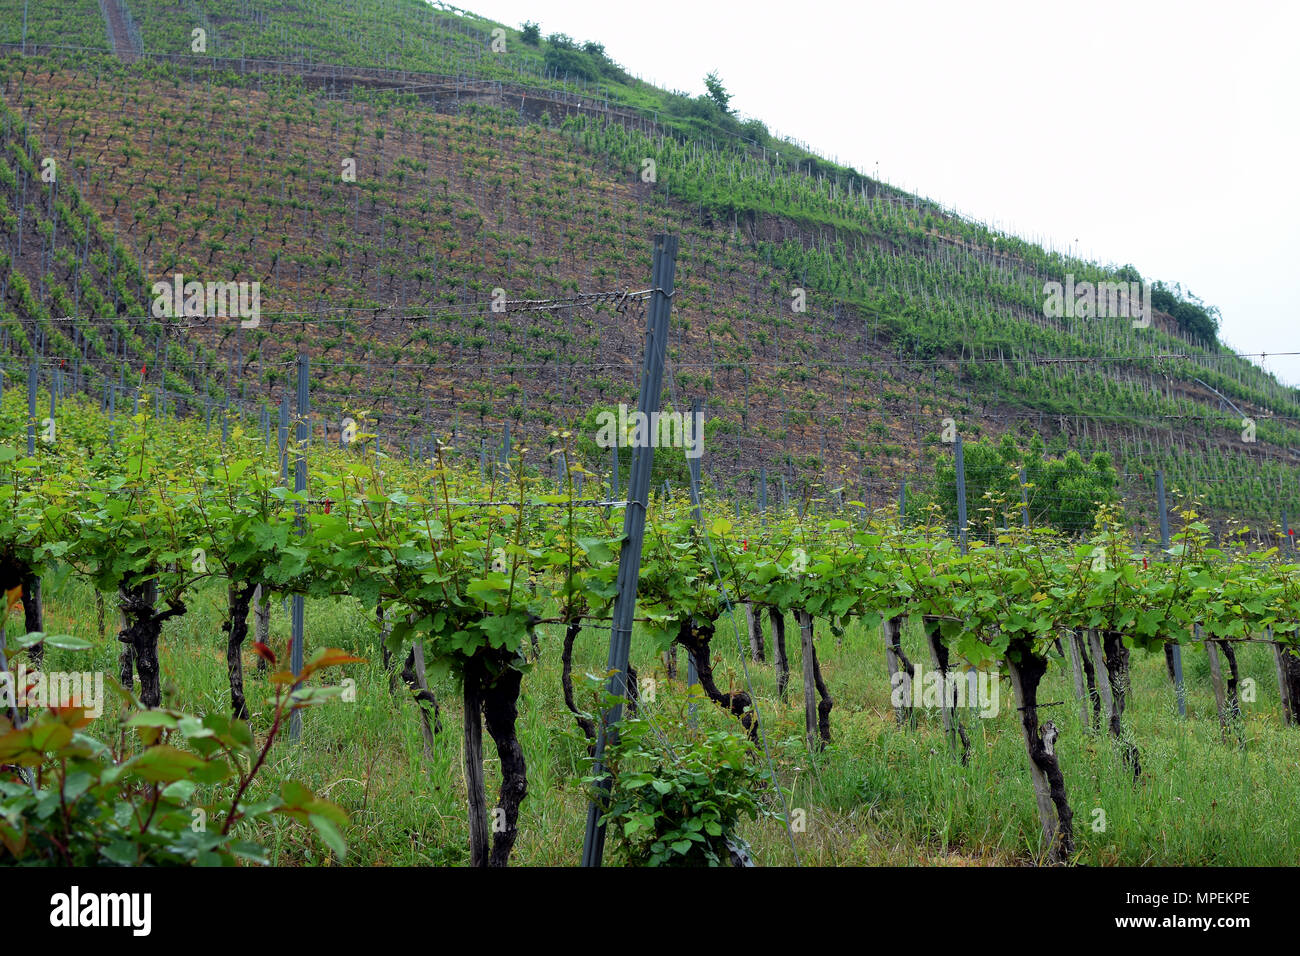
[899,687]
[236,627]
[952,724]
[500,711]
[695,637]
[1054,812]
[491,693]
[142,626]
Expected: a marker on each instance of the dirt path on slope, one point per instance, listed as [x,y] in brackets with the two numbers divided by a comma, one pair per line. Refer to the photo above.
[118,34]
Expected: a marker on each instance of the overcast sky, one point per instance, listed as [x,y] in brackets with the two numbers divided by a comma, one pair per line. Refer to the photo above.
[1162,134]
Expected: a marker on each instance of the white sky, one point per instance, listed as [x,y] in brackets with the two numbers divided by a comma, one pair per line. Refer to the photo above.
[1162,134]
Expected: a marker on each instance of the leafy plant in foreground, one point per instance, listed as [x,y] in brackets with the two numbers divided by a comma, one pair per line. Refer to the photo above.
[678,802]
[92,805]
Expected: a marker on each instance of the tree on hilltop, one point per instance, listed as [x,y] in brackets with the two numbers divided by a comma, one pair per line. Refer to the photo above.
[717,92]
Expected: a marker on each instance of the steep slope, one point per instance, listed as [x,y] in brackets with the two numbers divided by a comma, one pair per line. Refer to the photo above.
[60,265]
[913,316]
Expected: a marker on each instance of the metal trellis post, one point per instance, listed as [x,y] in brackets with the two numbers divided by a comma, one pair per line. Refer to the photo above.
[692,672]
[613,482]
[1024,499]
[629,560]
[961,495]
[299,486]
[31,409]
[1176,651]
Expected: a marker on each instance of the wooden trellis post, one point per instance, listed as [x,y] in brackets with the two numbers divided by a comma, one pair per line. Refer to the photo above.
[1216,678]
[1080,691]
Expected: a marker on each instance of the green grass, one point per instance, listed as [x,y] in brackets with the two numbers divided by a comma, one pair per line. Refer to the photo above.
[879,794]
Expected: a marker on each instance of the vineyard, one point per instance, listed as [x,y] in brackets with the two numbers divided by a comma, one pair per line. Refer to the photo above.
[481,583]
[954,580]
[910,316]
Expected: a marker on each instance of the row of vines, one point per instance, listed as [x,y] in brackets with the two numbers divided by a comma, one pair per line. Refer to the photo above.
[466,570]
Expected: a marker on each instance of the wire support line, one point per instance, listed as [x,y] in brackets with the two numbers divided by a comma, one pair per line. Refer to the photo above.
[617,298]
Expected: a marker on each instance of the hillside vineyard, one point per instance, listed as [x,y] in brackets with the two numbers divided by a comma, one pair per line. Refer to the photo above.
[373,371]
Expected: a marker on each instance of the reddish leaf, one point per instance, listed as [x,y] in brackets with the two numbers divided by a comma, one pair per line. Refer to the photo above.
[328,657]
[72,716]
[264,652]
[332,657]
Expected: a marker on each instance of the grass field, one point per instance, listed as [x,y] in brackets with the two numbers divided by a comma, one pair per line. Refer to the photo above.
[879,794]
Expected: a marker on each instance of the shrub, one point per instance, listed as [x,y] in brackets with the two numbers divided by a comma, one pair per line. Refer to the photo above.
[567,60]
[678,807]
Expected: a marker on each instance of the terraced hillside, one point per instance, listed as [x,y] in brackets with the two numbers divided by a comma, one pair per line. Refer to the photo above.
[379,209]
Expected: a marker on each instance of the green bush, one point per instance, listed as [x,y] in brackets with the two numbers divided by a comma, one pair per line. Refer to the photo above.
[1063,492]
[567,60]
[678,806]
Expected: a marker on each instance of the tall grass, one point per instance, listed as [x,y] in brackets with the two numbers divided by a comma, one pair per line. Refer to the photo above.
[879,794]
